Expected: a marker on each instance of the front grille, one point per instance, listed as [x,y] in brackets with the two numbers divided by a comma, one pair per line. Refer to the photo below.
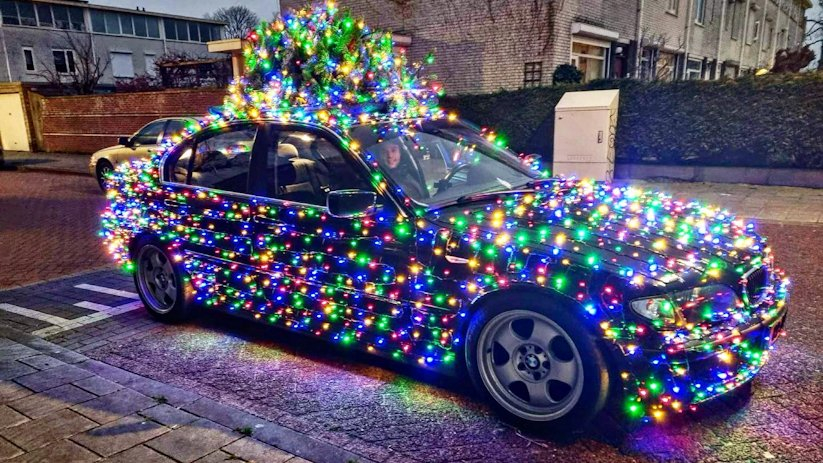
[757,284]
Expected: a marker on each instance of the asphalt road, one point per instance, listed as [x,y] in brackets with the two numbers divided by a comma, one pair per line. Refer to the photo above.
[388,413]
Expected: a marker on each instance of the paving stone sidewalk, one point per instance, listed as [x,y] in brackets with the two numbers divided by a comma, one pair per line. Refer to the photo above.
[57,405]
[63,163]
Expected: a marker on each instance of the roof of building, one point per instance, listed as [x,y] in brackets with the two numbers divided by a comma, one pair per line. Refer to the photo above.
[86,4]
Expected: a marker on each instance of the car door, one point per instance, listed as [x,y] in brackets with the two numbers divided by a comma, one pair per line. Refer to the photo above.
[342,278]
[208,210]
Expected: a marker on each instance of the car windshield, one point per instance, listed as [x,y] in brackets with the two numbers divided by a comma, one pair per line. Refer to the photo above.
[438,163]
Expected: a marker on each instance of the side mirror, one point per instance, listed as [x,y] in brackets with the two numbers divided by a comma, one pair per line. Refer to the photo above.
[351,203]
[125,141]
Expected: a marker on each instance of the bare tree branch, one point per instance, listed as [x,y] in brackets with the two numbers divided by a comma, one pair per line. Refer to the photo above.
[84,67]
[239,20]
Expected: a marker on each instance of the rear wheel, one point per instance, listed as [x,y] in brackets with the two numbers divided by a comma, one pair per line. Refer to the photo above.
[104,167]
[537,364]
[161,285]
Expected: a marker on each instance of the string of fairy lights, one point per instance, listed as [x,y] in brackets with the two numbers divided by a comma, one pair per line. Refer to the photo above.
[591,242]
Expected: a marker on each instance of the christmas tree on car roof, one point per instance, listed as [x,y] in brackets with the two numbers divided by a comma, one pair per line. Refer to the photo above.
[322,65]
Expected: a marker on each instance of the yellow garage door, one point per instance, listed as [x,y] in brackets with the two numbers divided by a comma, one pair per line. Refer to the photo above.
[13,123]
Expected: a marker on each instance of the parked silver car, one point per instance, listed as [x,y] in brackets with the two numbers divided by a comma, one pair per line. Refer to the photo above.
[141,145]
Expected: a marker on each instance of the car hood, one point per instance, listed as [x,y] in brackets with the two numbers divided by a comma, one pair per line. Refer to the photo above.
[645,236]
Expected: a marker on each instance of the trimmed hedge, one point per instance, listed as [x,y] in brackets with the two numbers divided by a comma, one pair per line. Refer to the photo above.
[767,121]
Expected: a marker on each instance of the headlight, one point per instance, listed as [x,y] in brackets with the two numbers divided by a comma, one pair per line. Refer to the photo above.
[697,305]
[659,310]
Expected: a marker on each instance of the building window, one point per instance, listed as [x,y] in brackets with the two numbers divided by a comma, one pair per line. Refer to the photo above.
[28,57]
[44,17]
[699,11]
[122,66]
[140,26]
[8,9]
[151,67]
[27,15]
[153,26]
[126,24]
[755,32]
[590,56]
[64,61]
[112,23]
[674,5]
[182,30]
[767,43]
[694,69]
[532,74]
[194,35]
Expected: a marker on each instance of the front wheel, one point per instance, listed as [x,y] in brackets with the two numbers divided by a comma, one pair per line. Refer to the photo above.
[103,169]
[536,364]
[161,284]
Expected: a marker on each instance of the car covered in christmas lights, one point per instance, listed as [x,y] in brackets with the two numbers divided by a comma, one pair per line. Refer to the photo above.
[332,196]
[426,242]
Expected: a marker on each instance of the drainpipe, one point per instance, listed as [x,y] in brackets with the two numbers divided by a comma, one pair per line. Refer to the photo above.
[762,31]
[724,4]
[773,46]
[744,35]
[689,21]
[638,45]
[5,51]
[87,20]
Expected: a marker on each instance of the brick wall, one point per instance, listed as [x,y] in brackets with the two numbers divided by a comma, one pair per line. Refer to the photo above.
[85,124]
[482,46]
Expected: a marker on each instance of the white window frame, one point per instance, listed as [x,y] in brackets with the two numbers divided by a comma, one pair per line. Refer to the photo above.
[131,60]
[690,71]
[767,41]
[33,61]
[754,32]
[699,12]
[574,57]
[69,63]
[673,7]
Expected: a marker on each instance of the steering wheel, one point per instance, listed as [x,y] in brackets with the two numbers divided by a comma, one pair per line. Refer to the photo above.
[445,183]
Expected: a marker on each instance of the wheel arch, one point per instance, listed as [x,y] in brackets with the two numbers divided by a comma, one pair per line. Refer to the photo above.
[541,295]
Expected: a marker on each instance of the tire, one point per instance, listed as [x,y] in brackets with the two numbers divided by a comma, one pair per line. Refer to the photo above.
[161,284]
[536,363]
[103,167]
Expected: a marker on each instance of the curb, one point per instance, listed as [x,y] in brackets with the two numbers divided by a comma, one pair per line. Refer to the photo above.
[278,436]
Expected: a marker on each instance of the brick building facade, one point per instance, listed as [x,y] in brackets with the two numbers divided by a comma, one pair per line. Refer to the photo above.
[486,45]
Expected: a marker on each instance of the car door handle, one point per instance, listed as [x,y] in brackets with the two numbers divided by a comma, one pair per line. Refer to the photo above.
[173,203]
[263,220]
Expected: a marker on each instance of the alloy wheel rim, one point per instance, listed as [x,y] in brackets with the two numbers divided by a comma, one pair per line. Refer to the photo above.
[530,365]
[156,279]
[103,171]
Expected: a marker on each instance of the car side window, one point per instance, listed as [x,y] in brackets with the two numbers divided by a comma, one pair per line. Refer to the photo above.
[304,167]
[219,160]
[174,127]
[149,134]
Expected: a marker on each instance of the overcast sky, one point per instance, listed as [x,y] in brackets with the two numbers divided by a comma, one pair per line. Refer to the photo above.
[196,8]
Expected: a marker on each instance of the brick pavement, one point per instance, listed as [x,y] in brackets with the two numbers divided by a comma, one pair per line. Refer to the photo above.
[365,406]
[48,226]
[389,413]
[59,406]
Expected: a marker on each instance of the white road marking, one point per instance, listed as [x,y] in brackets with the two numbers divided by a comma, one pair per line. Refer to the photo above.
[33,314]
[113,292]
[102,312]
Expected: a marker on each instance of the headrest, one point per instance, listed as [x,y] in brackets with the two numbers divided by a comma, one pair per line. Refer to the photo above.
[286,150]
